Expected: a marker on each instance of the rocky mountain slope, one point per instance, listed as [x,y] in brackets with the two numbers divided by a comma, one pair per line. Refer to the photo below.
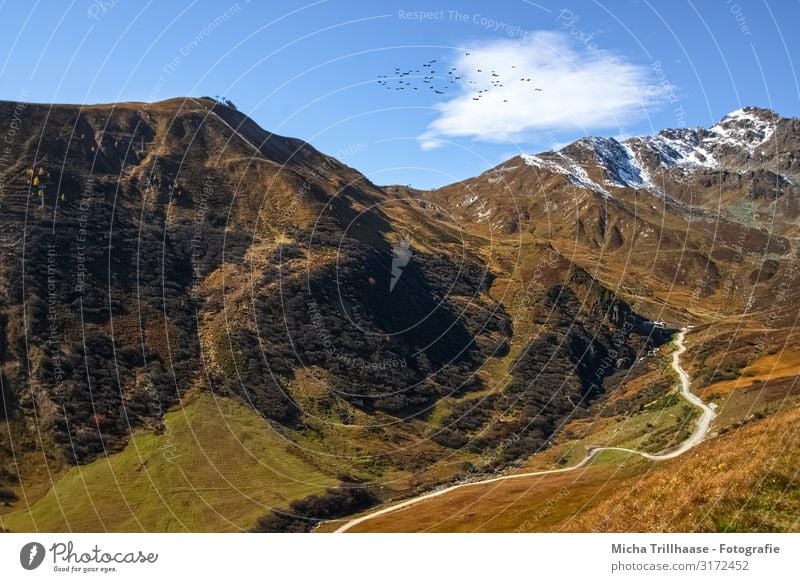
[703,213]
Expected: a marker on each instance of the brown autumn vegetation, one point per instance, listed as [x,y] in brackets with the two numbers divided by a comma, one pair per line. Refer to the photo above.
[744,480]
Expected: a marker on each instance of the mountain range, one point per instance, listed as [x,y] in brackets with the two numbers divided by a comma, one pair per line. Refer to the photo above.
[205,326]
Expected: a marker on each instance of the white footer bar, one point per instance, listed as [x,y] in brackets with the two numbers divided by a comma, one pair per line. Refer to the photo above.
[389,557]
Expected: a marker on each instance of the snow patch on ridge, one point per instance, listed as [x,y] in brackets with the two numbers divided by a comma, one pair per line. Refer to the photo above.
[621,168]
[617,161]
[742,128]
[674,148]
[568,168]
[644,175]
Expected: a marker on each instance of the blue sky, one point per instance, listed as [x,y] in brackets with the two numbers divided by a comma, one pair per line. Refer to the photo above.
[309,69]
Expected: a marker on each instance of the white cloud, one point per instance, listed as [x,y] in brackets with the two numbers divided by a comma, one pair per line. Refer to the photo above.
[582,88]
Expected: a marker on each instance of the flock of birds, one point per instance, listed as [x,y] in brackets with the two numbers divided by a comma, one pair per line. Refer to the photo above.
[416,79]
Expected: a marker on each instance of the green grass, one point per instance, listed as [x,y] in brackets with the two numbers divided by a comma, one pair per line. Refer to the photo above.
[675,426]
[217,467]
[605,457]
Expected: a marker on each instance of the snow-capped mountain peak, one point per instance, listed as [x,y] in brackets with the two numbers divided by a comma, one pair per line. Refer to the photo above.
[748,127]
[730,144]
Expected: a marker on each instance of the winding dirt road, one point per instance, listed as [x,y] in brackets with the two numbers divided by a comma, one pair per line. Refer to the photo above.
[701,430]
